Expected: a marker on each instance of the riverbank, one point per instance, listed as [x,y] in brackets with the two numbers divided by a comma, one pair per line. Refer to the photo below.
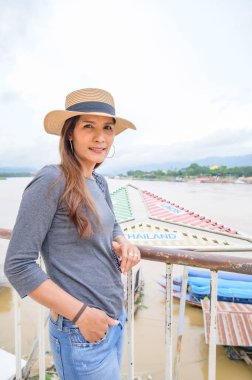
[215,179]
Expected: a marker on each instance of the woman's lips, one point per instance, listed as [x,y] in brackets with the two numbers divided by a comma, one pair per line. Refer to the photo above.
[97,150]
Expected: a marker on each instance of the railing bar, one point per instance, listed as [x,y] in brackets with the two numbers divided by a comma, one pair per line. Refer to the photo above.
[190,257]
[219,249]
[213,327]
[17,319]
[181,322]
[41,335]
[168,323]
[214,262]
[130,324]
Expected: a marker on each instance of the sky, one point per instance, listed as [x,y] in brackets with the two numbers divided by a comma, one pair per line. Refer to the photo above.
[180,70]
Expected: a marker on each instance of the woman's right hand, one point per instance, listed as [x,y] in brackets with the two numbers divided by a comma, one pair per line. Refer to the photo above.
[94,324]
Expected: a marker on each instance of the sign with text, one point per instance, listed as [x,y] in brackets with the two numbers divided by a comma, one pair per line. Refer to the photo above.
[164,236]
[174,210]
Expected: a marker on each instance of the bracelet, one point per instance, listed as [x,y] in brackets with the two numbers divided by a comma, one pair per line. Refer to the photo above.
[83,307]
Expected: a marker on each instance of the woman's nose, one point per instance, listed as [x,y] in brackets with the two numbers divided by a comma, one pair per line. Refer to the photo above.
[99,136]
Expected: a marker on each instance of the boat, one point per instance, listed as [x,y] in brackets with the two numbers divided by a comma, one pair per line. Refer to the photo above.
[240,353]
[239,181]
[177,294]
[194,272]
[232,287]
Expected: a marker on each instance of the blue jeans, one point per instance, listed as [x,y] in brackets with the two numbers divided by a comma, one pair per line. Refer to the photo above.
[76,359]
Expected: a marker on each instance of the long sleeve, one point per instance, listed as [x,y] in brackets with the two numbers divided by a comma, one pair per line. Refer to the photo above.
[37,209]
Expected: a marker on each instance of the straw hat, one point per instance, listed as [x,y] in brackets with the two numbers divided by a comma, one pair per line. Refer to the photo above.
[86,101]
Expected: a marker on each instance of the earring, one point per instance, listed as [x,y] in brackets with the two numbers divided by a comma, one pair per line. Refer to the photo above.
[71,146]
[113,152]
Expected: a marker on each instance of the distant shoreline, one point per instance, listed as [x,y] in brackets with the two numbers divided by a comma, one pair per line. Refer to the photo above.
[222,180]
[14,175]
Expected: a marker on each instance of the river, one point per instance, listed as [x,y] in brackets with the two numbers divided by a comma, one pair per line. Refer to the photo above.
[229,204]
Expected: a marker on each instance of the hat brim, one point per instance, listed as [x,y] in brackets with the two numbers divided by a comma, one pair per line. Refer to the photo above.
[54,121]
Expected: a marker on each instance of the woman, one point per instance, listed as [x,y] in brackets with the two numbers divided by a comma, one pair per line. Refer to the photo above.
[67,214]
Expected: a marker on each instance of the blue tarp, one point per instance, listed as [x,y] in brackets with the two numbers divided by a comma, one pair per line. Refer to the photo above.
[221,283]
[224,275]
[222,292]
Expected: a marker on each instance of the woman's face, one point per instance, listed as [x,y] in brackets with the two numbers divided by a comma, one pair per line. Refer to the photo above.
[92,138]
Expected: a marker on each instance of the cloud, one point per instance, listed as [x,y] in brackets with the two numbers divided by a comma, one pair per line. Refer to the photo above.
[160,60]
[226,143]
[9,97]
[34,153]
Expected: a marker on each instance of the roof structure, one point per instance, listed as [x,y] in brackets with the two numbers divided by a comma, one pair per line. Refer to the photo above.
[234,323]
[121,205]
[160,208]
[146,234]
[148,219]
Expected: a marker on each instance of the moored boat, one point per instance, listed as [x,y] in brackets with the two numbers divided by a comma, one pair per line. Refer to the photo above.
[232,287]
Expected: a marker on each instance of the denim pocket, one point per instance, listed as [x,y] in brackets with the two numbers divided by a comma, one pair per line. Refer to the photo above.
[56,351]
[78,340]
[89,358]
[55,323]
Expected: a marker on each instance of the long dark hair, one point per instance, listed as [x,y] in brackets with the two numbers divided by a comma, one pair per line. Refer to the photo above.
[75,195]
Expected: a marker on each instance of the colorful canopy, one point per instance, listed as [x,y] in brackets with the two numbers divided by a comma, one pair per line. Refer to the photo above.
[121,205]
[151,234]
[160,208]
[148,219]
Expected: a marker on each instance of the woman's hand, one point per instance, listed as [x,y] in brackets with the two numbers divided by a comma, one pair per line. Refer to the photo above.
[128,253]
[94,324]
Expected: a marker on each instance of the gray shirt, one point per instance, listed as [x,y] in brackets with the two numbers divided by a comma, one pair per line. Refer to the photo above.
[84,267]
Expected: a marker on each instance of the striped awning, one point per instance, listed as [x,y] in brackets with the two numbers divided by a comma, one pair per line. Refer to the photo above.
[234,323]
[148,219]
[121,205]
[163,209]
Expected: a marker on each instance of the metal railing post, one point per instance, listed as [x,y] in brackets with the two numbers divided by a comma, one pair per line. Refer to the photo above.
[41,336]
[17,321]
[168,323]
[213,327]
[180,323]
[130,324]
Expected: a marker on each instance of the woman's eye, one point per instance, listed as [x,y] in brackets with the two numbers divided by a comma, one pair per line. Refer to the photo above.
[87,126]
[108,127]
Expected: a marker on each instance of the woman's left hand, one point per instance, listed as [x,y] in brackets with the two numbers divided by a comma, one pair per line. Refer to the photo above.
[128,253]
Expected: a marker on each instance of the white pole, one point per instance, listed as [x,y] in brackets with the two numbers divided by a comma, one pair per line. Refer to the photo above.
[213,327]
[181,322]
[168,323]
[17,319]
[41,335]
[130,324]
